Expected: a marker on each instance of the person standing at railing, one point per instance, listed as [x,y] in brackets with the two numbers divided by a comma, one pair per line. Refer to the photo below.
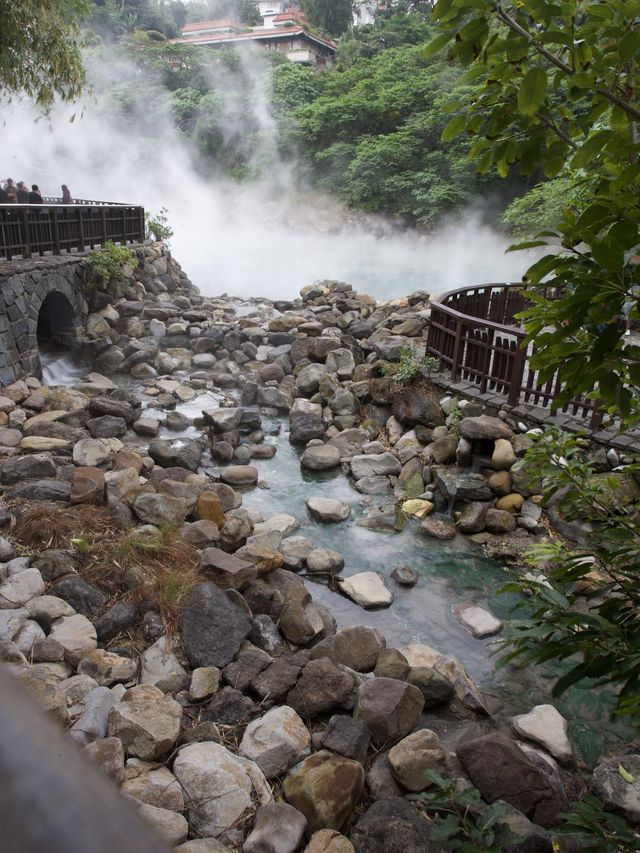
[66,195]
[34,195]
[11,190]
[4,198]
[23,193]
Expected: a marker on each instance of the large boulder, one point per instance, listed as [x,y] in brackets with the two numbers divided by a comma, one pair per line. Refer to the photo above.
[276,741]
[391,825]
[367,589]
[484,427]
[357,647]
[616,792]
[146,721]
[414,406]
[213,628]
[179,453]
[326,788]
[219,786]
[413,756]
[328,510]
[390,708]
[500,770]
[321,688]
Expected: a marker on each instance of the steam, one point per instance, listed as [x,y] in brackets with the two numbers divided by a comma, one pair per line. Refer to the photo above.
[262,238]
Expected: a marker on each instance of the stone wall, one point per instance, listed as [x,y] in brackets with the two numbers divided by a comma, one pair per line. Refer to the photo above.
[77,314]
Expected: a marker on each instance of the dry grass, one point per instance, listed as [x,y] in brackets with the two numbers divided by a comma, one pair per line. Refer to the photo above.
[123,564]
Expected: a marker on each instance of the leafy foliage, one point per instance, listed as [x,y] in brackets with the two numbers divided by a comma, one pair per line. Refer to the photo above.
[158,226]
[39,56]
[112,19]
[409,366]
[462,822]
[560,91]
[373,135]
[543,207]
[593,828]
[106,264]
[586,604]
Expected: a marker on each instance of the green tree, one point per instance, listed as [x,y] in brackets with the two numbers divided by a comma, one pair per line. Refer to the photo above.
[331,16]
[560,91]
[39,56]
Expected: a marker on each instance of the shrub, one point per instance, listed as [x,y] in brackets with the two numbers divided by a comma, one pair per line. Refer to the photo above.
[158,226]
[409,366]
[107,264]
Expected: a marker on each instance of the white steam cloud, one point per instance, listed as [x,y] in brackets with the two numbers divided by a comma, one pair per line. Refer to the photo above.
[264,238]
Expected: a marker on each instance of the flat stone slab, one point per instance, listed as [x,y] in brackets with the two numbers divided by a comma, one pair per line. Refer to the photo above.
[479,621]
[328,510]
[545,726]
[367,589]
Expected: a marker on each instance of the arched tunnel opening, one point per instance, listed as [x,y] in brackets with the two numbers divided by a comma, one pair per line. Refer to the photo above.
[56,321]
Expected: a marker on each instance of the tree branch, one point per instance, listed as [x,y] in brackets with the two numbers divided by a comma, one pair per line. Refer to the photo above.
[506,19]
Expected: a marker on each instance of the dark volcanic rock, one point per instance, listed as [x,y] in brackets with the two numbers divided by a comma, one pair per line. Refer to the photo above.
[413,407]
[500,770]
[229,707]
[182,453]
[321,688]
[213,628]
[19,468]
[391,826]
[41,490]
[305,427]
[118,618]
[82,596]
[107,426]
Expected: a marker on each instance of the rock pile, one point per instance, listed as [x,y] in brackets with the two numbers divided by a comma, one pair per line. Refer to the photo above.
[203,705]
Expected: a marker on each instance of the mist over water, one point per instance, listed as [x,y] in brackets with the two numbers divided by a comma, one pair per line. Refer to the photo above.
[261,238]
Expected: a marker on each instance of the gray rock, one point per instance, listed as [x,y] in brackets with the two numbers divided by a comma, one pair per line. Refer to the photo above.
[92,723]
[180,453]
[82,596]
[213,628]
[324,560]
[278,828]
[276,741]
[347,736]
[374,464]
[614,791]
[160,666]
[327,510]
[219,786]
[391,825]
[357,648]
[18,468]
[18,589]
[321,457]
[484,427]
[390,708]
[146,721]
[169,825]
[367,589]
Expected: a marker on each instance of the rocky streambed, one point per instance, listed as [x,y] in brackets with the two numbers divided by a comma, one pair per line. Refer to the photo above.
[244,570]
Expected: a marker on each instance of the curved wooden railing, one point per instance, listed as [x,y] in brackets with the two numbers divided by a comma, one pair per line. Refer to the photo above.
[35,229]
[474,334]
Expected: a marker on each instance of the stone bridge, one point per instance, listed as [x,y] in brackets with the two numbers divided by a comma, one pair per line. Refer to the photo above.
[41,301]
[47,301]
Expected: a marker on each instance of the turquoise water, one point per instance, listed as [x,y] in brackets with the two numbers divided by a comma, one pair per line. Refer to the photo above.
[450,574]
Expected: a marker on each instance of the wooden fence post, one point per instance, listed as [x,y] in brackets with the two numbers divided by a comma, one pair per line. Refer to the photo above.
[455,358]
[55,227]
[26,235]
[517,376]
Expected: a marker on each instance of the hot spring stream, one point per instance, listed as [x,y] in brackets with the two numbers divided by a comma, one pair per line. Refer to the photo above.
[450,574]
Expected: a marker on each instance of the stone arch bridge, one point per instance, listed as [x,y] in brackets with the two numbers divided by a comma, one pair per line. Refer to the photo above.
[41,301]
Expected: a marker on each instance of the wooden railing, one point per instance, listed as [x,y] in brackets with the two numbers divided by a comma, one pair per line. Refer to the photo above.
[34,229]
[474,334]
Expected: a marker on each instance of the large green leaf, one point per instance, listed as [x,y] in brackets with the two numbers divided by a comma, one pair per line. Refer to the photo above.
[532,91]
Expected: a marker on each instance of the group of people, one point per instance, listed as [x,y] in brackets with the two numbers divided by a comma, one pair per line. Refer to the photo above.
[12,193]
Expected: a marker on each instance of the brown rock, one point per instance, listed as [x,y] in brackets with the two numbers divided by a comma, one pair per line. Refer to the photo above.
[326,788]
[108,754]
[321,688]
[413,756]
[227,571]
[209,507]
[390,708]
[88,486]
[328,841]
